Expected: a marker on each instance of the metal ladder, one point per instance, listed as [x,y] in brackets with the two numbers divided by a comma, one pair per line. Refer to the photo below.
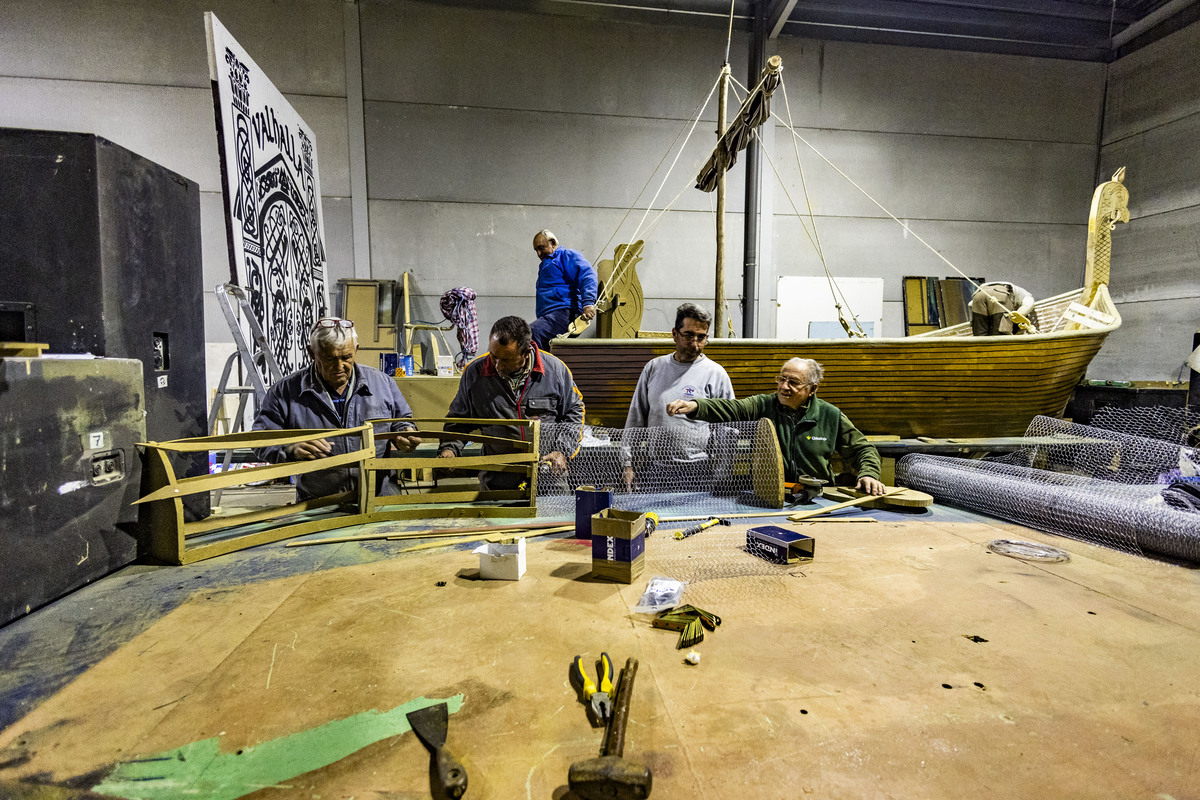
[256,359]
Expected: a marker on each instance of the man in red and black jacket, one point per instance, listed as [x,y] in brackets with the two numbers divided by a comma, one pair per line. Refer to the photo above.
[517,380]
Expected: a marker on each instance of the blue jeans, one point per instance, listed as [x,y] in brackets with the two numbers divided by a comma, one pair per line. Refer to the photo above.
[547,327]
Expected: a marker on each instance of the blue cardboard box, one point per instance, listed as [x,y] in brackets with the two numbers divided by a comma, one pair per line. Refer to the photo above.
[779,545]
[589,501]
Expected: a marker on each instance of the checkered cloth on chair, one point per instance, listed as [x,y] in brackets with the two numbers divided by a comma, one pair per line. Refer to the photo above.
[458,306]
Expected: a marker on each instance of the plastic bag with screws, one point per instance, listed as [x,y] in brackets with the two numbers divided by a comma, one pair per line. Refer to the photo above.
[661,593]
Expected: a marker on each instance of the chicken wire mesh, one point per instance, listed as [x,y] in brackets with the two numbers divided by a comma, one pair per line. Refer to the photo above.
[1178,425]
[1089,483]
[692,472]
[699,470]
[1106,454]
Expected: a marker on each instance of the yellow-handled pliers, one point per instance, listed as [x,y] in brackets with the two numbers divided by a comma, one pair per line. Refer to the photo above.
[599,697]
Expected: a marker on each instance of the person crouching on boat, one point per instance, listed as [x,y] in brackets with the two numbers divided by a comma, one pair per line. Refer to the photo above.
[810,430]
[999,308]
[566,288]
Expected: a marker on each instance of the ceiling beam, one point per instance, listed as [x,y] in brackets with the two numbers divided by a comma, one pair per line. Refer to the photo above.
[778,12]
[1149,21]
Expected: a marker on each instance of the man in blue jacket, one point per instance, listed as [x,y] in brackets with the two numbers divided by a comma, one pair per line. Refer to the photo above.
[333,392]
[566,288]
[516,380]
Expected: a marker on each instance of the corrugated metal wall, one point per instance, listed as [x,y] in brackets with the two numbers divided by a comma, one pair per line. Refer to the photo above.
[1151,127]
[483,126]
[559,122]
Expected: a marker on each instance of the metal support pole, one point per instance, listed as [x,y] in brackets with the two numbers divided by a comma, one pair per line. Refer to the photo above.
[1193,398]
[752,227]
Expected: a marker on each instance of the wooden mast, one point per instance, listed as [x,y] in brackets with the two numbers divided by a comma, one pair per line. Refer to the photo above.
[719,294]
[731,138]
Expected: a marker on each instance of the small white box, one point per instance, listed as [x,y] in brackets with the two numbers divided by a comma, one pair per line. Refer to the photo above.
[445,365]
[502,561]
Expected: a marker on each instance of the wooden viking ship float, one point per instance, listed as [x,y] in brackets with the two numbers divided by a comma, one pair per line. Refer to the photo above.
[944,383]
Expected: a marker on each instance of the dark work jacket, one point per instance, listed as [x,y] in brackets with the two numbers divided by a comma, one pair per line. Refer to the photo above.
[808,436]
[548,394]
[300,401]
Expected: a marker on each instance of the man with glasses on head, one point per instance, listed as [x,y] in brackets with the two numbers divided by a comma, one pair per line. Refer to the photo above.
[686,374]
[809,429]
[516,380]
[333,392]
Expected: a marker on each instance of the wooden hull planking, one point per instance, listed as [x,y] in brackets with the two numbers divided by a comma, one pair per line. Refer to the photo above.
[943,384]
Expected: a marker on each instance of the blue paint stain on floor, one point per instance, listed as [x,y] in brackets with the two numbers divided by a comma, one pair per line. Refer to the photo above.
[44,651]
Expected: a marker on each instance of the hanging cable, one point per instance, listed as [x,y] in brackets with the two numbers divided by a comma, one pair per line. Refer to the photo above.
[851,325]
[867,195]
[729,33]
[698,112]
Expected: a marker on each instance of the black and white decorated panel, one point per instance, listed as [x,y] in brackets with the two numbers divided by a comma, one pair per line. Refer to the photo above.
[272,198]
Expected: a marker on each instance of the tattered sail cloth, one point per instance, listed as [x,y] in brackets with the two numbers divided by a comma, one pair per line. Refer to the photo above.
[754,112]
[458,306]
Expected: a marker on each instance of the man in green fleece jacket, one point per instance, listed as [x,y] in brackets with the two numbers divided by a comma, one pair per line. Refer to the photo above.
[809,428]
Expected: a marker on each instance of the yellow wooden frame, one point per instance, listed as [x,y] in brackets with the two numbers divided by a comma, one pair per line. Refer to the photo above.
[524,460]
[171,539]
[22,349]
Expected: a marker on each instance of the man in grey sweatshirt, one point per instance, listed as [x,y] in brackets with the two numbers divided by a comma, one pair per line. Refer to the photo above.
[677,458]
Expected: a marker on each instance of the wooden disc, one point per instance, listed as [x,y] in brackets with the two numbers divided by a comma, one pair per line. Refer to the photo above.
[766,465]
[909,498]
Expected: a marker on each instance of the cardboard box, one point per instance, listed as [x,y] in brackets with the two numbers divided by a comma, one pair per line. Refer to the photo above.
[589,501]
[619,571]
[779,545]
[502,561]
[618,545]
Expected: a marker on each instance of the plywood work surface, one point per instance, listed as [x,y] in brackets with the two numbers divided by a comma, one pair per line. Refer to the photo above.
[904,661]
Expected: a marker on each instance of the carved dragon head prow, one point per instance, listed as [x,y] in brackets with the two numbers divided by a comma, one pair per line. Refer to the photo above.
[1109,206]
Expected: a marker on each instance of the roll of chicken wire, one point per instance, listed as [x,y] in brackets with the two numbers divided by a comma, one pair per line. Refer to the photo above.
[1129,517]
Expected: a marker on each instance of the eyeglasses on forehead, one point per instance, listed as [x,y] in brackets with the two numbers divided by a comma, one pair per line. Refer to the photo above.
[333,322]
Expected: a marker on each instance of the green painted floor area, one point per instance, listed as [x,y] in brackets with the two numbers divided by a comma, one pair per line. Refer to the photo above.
[200,769]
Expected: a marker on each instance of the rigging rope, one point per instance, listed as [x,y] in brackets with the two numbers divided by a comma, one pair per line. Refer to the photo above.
[694,121]
[835,291]
[643,227]
[639,230]
[867,195]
